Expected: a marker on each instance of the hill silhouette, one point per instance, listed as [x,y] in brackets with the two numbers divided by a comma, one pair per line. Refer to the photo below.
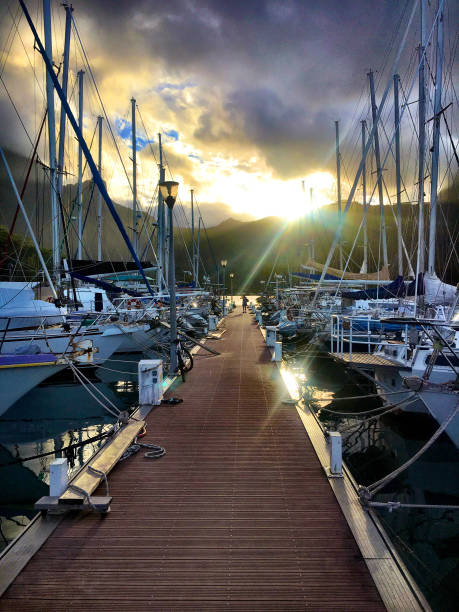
[251,248]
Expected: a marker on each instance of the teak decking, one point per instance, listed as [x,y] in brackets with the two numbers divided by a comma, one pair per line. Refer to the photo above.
[238,515]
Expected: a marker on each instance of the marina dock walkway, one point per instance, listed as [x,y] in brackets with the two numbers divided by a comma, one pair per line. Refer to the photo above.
[238,515]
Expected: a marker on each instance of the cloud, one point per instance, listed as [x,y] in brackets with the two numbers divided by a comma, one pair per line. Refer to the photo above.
[240,90]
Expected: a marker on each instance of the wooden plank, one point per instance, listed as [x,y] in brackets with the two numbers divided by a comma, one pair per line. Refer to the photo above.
[103,462]
[29,542]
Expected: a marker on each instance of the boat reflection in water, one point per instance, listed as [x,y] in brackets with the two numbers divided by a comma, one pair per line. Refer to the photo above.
[49,418]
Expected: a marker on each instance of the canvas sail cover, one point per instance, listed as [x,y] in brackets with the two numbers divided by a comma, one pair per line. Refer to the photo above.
[393,290]
[438,292]
[383,274]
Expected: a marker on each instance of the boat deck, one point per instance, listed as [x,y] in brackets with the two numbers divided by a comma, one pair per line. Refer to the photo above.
[238,515]
[364,361]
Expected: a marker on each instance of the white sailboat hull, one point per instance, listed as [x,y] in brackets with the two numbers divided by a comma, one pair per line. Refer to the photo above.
[15,382]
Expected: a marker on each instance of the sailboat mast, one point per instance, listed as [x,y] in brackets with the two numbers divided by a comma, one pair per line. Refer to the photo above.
[193,255]
[80,166]
[65,80]
[311,196]
[436,143]
[28,224]
[161,277]
[197,252]
[422,142]
[397,175]
[364,268]
[99,195]
[134,180]
[52,140]
[338,183]
[378,170]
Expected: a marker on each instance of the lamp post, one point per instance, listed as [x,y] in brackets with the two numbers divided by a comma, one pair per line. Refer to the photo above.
[231,280]
[277,277]
[223,265]
[169,190]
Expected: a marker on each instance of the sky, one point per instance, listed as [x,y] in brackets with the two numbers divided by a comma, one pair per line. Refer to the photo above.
[245,93]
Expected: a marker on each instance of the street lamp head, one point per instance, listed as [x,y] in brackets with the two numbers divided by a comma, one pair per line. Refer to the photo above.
[231,274]
[169,190]
[223,263]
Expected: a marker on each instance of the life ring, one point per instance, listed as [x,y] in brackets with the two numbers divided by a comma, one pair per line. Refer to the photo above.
[134,303]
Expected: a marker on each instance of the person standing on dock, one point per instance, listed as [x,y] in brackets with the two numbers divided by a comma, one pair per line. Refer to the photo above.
[245,301]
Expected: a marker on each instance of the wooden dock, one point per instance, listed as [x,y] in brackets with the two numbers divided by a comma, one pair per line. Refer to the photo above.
[238,515]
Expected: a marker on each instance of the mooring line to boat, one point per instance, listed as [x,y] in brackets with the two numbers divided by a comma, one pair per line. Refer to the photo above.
[100,366]
[144,347]
[392,408]
[366,493]
[391,505]
[364,412]
[353,397]
[116,412]
[101,436]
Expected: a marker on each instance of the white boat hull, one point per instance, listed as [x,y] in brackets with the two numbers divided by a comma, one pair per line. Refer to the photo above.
[16,381]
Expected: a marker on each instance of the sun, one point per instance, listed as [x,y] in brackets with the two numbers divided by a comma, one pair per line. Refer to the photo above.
[301,198]
[258,193]
[263,196]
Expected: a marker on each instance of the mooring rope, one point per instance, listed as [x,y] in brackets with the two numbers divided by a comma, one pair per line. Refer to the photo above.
[364,412]
[391,505]
[367,492]
[116,412]
[101,436]
[393,407]
[354,397]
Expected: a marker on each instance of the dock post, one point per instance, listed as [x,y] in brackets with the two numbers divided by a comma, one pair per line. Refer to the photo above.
[258,316]
[271,336]
[212,322]
[336,455]
[150,373]
[58,477]
[277,351]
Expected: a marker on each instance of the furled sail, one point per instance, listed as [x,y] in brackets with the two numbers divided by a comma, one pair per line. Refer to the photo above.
[383,274]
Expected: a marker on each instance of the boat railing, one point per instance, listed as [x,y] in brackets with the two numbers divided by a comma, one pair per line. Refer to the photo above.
[347,331]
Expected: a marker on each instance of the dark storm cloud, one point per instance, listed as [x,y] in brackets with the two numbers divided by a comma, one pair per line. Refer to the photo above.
[281,68]
[268,77]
